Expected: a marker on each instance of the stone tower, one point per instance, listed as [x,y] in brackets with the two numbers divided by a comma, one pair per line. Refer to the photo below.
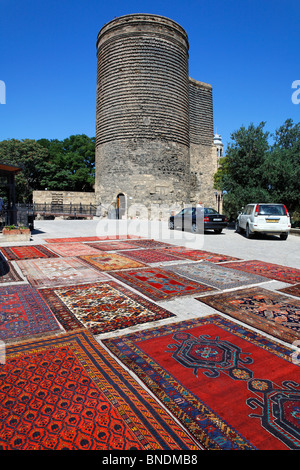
[154,127]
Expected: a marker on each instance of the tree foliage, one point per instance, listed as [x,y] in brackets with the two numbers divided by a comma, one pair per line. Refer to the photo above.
[255,170]
[51,164]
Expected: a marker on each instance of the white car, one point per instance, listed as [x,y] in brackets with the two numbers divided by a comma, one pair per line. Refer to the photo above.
[264,218]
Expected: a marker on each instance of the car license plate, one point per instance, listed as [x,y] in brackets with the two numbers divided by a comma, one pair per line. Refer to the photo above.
[272,220]
[217,220]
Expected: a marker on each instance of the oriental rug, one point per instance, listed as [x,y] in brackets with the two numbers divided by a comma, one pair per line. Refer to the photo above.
[229,386]
[269,270]
[101,307]
[91,239]
[68,393]
[59,272]
[271,312]
[112,246]
[110,261]
[72,249]
[8,272]
[197,255]
[24,313]
[150,244]
[215,275]
[158,284]
[150,255]
[27,252]
[292,290]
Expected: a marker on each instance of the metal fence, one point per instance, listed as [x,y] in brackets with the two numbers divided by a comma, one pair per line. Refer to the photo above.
[71,210]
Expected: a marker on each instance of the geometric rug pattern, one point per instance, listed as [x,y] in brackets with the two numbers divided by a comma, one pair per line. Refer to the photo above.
[158,284]
[72,249]
[197,255]
[271,312]
[230,387]
[58,272]
[150,255]
[215,275]
[112,246]
[292,290]
[8,272]
[67,393]
[23,313]
[110,261]
[101,307]
[269,270]
[27,252]
[91,239]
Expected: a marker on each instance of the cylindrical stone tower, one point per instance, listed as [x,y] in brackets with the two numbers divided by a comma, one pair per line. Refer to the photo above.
[142,118]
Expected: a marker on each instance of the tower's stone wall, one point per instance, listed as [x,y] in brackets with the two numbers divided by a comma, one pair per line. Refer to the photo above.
[149,113]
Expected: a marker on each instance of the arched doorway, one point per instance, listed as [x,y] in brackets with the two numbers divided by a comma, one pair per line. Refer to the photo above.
[121,205]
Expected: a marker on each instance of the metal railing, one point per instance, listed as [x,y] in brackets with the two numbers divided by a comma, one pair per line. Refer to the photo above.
[71,210]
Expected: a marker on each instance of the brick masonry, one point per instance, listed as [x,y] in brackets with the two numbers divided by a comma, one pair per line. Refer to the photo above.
[154,124]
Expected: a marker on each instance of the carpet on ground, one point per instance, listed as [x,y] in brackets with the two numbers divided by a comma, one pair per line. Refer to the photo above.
[112,246]
[196,255]
[148,255]
[68,393]
[91,239]
[269,270]
[72,249]
[271,312]
[231,387]
[292,290]
[101,307]
[7,272]
[158,284]
[110,261]
[150,243]
[27,252]
[24,313]
[58,272]
[215,275]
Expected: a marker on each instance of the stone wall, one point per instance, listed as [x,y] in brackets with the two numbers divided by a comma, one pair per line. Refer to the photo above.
[142,135]
[63,197]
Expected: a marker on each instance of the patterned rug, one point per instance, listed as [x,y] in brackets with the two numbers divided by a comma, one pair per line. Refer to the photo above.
[292,290]
[24,313]
[150,244]
[68,393]
[197,255]
[269,270]
[112,246]
[27,252]
[230,387]
[215,275]
[276,314]
[158,284]
[91,239]
[72,249]
[150,255]
[101,307]
[59,272]
[110,262]
[8,272]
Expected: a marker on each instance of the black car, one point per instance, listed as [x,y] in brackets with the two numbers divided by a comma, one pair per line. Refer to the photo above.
[198,220]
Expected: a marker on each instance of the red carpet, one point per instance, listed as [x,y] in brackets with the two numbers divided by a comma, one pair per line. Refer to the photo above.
[230,387]
[68,393]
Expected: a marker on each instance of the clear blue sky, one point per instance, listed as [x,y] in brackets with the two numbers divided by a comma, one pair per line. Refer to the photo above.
[248,50]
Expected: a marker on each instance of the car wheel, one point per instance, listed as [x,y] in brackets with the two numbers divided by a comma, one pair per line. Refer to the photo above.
[194,228]
[171,225]
[283,236]
[237,227]
[249,234]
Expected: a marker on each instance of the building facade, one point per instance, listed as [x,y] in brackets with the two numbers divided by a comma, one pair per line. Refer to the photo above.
[154,124]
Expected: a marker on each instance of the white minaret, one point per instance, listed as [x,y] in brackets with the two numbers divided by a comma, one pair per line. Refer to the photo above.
[219,145]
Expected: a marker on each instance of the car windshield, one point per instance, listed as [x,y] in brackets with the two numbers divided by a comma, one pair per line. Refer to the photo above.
[208,211]
[271,209]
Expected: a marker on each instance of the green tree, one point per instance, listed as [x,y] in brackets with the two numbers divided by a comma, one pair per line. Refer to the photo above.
[239,174]
[28,155]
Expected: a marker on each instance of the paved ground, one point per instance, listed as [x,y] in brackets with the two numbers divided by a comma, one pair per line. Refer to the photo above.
[269,249]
